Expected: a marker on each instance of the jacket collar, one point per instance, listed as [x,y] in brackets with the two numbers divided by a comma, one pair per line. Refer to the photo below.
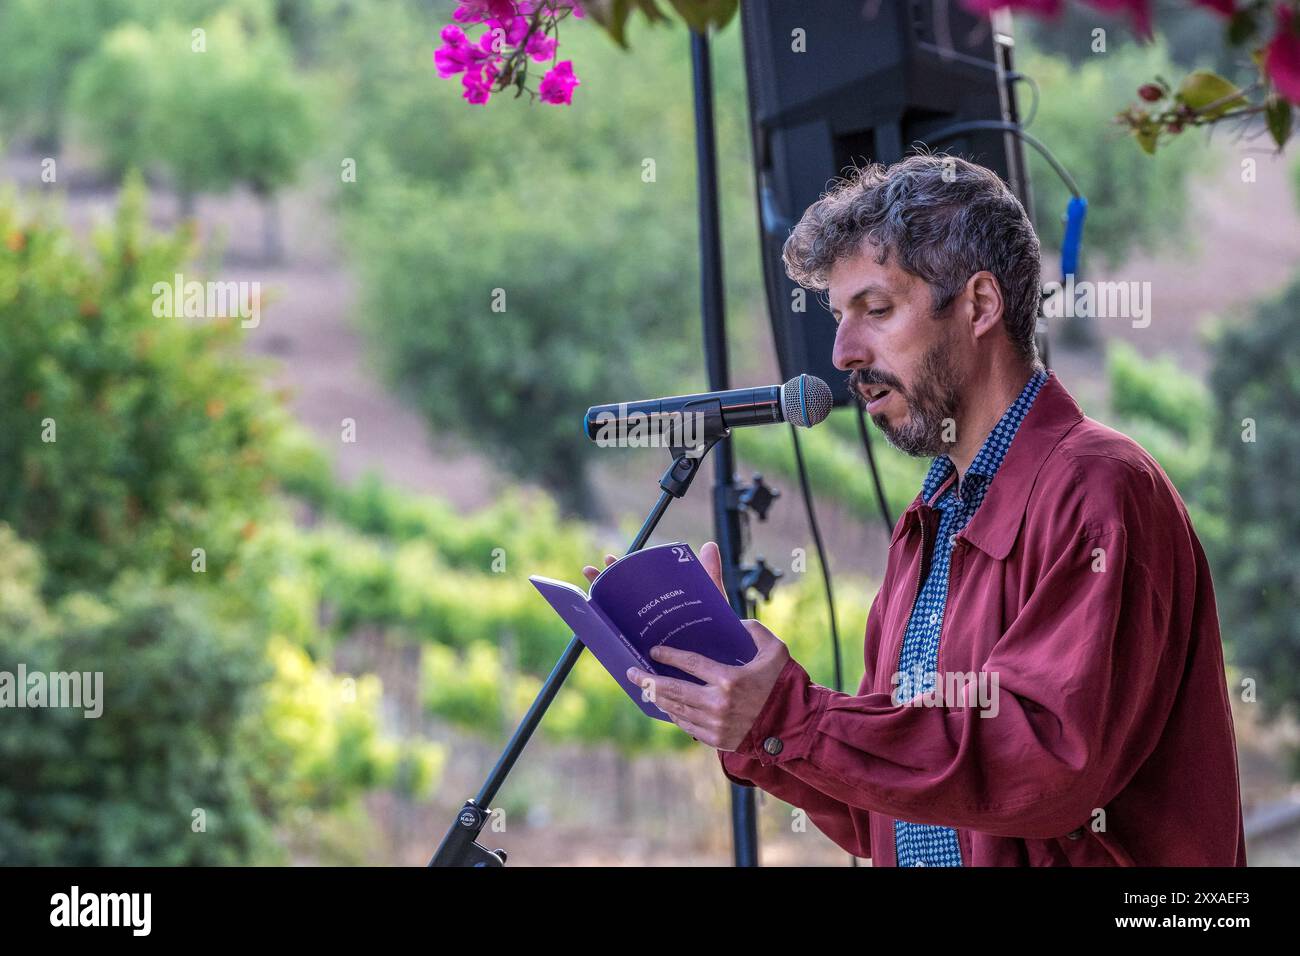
[996,523]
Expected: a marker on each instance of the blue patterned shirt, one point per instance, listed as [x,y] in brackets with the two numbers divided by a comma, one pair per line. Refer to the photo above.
[923,844]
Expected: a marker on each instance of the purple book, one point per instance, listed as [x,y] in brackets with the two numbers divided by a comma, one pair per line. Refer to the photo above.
[659,595]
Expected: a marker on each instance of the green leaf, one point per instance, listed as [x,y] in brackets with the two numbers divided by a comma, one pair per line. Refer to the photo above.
[1241,27]
[611,16]
[701,14]
[651,10]
[1147,137]
[1277,112]
[1210,94]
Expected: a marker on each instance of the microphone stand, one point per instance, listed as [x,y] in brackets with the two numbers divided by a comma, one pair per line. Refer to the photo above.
[460,845]
[727,497]
[731,504]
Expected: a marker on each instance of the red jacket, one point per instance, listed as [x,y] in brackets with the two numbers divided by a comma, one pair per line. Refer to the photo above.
[1080,584]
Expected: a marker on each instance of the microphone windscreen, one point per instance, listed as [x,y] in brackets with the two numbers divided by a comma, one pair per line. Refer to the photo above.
[806,401]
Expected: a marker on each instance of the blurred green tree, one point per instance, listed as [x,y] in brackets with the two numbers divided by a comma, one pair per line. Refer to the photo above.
[140,538]
[128,436]
[1256,385]
[39,48]
[213,110]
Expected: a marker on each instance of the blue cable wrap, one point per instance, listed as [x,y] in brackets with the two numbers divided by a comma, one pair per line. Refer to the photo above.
[1075,213]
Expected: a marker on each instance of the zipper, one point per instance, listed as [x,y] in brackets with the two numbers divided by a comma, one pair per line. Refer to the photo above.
[920,576]
[947,591]
[916,595]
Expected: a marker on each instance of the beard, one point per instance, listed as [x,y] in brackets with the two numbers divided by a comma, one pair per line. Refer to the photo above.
[932,403]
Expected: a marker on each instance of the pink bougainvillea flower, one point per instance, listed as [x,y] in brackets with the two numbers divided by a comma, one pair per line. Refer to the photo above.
[1139,12]
[478,82]
[558,83]
[474,11]
[456,54]
[540,47]
[1282,59]
[1224,7]
[515,30]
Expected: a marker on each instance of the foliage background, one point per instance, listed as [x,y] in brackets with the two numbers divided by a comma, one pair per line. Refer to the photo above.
[356,648]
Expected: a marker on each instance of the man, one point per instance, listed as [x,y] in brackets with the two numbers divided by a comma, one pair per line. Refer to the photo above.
[1044,677]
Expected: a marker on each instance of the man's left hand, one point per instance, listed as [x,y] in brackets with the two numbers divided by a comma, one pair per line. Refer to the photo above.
[720,712]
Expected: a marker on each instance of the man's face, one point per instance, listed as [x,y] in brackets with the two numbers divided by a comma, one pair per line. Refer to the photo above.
[888,336]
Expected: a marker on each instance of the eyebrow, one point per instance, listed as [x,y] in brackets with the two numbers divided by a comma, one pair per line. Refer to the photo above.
[869,287]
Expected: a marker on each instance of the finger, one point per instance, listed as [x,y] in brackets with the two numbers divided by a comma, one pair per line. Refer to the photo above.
[697,665]
[591,572]
[657,689]
[676,710]
[698,733]
[711,558]
[764,640]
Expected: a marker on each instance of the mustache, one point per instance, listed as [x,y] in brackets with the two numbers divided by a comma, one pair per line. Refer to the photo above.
[858,378]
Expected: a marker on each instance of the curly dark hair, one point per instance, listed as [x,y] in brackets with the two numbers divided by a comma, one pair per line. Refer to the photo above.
[942,218]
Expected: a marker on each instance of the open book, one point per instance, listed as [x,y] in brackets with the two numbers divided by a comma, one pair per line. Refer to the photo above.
[659,595]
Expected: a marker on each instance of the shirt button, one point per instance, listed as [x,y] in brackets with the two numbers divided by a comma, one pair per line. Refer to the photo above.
[773,745]
[952,541]
[1075,834]
[934,617]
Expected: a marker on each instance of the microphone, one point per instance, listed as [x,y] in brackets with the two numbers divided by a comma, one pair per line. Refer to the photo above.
[804,401]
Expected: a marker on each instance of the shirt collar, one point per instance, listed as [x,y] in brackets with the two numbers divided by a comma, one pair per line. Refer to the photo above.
[996,523]
[991,453]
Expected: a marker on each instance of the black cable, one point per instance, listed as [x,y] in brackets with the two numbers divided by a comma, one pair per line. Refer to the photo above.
[957,129]
[1033,88]
[875,473]
[806,490]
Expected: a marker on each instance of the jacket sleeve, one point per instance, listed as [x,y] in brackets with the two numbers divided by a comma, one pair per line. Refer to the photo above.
[844,822]
[1076,672]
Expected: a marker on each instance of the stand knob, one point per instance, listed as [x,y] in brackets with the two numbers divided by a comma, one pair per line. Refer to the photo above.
[759,576]
[758,497]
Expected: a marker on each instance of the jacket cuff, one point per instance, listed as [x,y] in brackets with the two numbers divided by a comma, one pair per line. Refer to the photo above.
[737,767]
[785,727]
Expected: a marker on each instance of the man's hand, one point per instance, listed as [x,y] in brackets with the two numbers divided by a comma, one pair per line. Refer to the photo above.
[721,712]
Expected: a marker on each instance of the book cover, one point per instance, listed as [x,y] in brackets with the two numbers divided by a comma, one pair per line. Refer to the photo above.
[658,595]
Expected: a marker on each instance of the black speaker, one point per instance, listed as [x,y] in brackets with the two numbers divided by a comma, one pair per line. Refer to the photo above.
[838,83]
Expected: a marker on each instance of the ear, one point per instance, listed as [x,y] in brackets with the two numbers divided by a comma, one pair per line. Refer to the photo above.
[986,302]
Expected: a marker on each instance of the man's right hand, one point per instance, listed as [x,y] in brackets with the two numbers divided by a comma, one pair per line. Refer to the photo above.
[590,572]
[710,557]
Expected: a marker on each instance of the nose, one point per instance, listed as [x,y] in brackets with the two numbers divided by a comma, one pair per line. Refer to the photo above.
[851,348]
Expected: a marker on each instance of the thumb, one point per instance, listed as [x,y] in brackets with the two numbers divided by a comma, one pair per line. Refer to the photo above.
[711,558]
[764,640]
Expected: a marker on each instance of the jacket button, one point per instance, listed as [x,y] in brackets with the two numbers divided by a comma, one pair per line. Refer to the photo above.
[1075,834]
[773,745]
